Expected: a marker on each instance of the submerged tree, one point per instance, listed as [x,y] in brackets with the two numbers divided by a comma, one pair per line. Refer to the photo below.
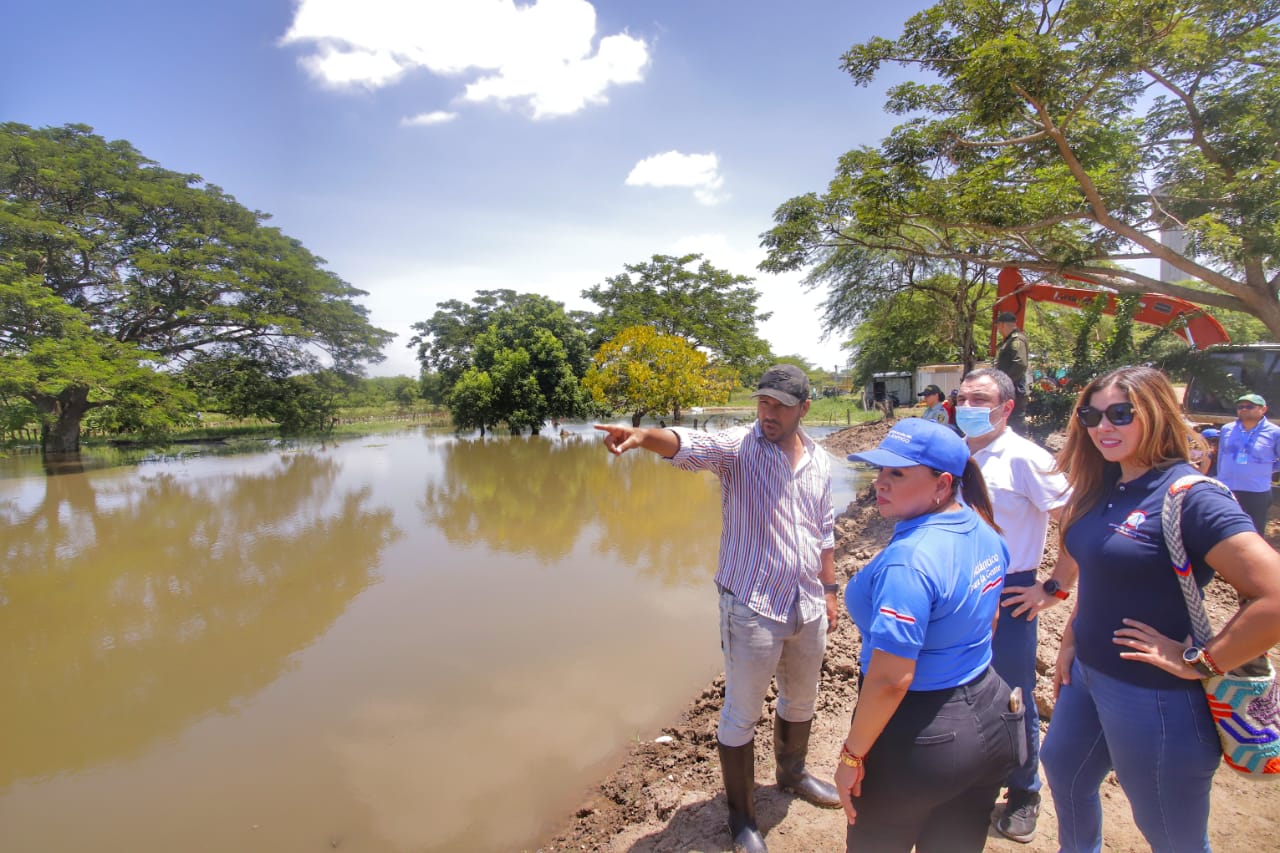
[643,372]
[506,358]
[114,272]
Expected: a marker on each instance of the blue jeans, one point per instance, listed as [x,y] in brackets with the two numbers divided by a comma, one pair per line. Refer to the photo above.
[755,650]
[1013,657]
[1162,745]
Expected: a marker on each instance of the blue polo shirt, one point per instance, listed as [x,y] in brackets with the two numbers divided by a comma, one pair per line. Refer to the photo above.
[1126,571]
[1262,448]
[931,595]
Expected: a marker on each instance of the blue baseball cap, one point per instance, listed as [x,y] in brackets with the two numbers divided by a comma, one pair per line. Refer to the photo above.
[915,441]
[1210,433]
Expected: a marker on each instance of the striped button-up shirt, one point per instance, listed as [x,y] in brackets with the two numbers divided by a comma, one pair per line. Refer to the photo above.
[776,521]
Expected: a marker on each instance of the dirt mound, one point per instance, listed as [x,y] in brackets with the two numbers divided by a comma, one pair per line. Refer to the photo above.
[668,797]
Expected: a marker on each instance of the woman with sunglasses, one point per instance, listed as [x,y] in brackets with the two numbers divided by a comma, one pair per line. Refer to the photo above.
[933,735]
[1128,696]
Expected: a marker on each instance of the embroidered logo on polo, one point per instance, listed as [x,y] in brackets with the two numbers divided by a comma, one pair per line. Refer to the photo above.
[1130,526]
[988,574]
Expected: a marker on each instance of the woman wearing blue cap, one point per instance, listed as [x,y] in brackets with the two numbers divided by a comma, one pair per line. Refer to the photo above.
[935,730]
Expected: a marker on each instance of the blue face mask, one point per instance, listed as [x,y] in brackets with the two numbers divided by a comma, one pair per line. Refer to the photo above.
[974,421]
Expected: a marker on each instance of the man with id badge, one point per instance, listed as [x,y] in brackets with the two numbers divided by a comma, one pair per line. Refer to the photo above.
[1248,451]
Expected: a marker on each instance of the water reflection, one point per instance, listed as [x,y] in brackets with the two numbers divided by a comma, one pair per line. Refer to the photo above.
[131,605]
[365,645]
[515,495]
[543,496]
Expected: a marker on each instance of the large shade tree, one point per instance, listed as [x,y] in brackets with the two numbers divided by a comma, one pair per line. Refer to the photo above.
[1066,137]
[710,308]
[114,272]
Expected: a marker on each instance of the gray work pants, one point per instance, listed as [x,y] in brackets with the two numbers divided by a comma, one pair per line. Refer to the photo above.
[755,650]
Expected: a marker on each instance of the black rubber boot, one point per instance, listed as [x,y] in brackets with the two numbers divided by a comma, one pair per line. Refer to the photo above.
[738,766]
[790,743]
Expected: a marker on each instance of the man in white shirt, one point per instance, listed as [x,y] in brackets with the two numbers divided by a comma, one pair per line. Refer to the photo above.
[1026,494]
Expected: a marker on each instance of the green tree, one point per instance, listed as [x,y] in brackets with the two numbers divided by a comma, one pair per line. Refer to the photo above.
[862,281]
[114,272]
[446,344]
[16,414]
[642,372]
[710,308]
[381,391]
[244,387]
[900,332]
[1064,137]
[521,367]
[432,387]
[472,402]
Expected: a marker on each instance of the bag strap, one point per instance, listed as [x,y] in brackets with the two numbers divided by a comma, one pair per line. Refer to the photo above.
[1171,522]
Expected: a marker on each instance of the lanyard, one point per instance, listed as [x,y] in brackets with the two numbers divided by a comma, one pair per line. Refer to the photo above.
[1250,437]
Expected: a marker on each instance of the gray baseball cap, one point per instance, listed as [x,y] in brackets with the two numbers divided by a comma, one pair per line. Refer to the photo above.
[785,383]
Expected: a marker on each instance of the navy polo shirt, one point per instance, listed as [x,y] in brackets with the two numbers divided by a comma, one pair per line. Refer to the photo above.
[931,595]
[1126,571]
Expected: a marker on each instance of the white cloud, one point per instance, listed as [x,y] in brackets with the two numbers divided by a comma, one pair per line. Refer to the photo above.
[673,169]
[540,55]
[367,68]
[427,119]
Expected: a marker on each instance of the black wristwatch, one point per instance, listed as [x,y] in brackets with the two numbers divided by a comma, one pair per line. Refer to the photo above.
[1055,589]
[833,588]
[1193,656]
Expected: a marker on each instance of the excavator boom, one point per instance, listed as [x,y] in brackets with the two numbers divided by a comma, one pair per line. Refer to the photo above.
[1188,320]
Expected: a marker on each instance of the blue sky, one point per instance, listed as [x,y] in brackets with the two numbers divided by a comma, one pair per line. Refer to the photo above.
[430,149]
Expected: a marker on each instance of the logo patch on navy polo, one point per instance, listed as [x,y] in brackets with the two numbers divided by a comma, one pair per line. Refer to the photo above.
[1130,526]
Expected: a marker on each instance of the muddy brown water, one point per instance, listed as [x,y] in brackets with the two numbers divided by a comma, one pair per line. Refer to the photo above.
[398,643]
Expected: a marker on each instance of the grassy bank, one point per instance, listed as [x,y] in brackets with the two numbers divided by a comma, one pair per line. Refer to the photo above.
[824,411]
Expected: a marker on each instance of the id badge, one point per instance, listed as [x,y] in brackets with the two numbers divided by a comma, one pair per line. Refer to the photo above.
[1242,458]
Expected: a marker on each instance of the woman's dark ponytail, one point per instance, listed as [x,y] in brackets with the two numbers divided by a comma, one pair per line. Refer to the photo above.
[974,488]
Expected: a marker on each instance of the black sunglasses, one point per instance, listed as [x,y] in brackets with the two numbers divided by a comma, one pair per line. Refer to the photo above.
[1245,406]
[1119,414]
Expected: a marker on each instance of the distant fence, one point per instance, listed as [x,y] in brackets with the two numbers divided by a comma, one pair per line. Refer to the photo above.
[429,418]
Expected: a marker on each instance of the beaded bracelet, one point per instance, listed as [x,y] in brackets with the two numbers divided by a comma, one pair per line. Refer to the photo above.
[848,758]
[1217,670]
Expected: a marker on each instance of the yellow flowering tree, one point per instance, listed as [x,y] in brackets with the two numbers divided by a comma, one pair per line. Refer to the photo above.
[643,372]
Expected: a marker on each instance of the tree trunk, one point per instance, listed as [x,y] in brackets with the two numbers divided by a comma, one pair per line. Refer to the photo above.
[1266,309]
[60,417]
[636,417]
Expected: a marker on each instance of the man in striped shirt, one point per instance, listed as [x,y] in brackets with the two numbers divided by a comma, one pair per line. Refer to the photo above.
[776,576]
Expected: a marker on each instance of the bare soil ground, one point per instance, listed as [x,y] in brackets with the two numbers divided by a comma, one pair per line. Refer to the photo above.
[668,797]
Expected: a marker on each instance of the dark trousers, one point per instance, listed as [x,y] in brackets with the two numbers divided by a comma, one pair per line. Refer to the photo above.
[933,775]
[1018,418]
[1257,504]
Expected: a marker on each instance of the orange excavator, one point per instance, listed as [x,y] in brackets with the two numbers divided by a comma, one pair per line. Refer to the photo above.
[1188,320]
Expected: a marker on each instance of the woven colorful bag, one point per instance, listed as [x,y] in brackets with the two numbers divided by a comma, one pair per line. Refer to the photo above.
[1245,702]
